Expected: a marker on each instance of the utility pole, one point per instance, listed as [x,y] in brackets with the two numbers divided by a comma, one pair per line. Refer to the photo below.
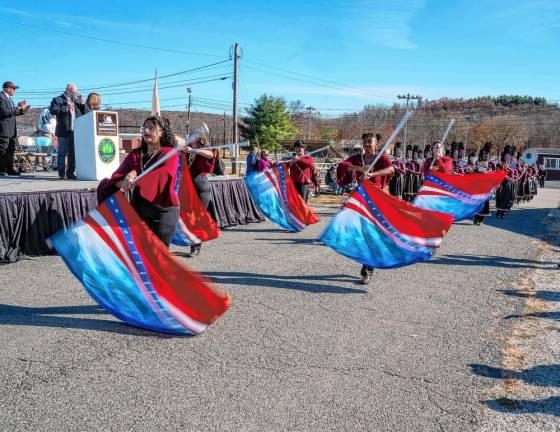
[235,136]
[310,112]
[408,97]
[224,150]
[189,112]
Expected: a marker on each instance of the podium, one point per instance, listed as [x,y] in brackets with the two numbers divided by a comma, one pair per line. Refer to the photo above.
[96,145]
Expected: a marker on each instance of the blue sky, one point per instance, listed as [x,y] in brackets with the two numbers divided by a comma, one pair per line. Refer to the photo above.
[333,55]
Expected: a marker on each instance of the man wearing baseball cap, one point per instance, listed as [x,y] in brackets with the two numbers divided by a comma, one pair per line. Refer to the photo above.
[8,130]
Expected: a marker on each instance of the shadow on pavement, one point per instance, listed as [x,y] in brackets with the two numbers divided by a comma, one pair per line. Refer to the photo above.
[548,315]
[292,240]
[522,221]
[490,261]
[542,376]
[256,230]
[50,317]
[541,295]
[287,282]
[549,406]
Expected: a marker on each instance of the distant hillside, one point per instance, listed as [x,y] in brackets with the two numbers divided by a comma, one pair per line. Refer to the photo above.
[525,120]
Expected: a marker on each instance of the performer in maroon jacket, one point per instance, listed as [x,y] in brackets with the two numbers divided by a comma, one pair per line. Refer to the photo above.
[442,164]
[301,169]
[153,196]
[354,168]
[201,164]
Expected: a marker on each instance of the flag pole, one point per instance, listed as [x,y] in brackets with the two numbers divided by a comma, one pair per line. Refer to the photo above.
[393,135]
[449,126]
[174,151]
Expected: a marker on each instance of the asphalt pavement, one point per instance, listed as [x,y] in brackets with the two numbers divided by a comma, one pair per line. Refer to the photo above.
[303,347]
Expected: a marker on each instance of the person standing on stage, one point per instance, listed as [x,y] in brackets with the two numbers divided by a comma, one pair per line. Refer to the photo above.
[93,102]
[301,169]
[263,163]
[153,196]
[355,167]
[252,160]
[442,164]
[8,129]
[66,108]
[201,164]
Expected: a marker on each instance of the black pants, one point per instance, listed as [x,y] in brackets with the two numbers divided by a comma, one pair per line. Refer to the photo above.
[202,185]
[303,190]
[66,148]
[7,149]
[161,220]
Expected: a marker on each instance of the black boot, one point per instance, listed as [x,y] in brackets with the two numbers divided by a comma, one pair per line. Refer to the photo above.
[366,274]
[195,250]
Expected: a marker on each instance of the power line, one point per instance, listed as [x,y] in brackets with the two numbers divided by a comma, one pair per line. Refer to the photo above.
[167,87]
[125,84]
[318,84]
[391,97]
[130,44]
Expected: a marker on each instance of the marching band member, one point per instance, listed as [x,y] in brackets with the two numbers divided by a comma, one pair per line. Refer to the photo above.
[413,175]
[484,165]
[397,181]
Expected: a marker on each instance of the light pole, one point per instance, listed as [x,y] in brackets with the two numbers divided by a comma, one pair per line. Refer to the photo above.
[310,111]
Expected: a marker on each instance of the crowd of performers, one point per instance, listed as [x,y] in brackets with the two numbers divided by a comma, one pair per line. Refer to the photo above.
[133,275]
[155,198]
[520,184]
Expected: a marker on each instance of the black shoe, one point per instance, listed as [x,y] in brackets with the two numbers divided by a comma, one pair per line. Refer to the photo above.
[71,177]
[363,271]
[366,277]
[2,173]
[13,172]
[195,250]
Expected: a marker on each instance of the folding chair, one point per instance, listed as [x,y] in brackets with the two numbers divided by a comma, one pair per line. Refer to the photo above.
[24,146]
[46,152]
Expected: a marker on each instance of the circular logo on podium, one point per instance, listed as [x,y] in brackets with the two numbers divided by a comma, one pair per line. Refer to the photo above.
[107,150]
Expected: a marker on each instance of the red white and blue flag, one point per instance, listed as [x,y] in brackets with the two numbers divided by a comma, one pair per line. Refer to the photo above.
[132,275]
[461,196]
[277,198]
[381,231]
[195,225]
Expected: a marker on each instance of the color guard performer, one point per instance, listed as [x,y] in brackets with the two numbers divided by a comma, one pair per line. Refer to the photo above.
[355,167]
[301,169]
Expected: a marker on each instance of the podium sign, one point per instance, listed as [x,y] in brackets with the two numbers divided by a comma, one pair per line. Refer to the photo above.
[96,143]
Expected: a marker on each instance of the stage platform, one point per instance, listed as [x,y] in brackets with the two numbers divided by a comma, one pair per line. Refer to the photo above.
[33,207]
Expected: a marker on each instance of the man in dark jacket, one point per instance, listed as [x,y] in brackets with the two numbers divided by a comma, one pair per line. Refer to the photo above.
[8,131]
[66,108]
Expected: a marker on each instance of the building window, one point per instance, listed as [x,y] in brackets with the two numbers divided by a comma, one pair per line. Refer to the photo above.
[552,163]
